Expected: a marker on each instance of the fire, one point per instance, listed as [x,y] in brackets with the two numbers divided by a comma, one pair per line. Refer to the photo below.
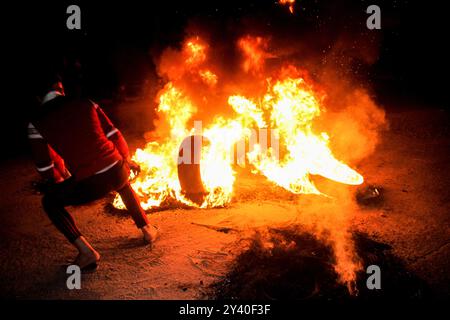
[287,110]
[293,105]
[290,105]
[289,3]
[283,112]
[254,50]
[208,77]
[195,51]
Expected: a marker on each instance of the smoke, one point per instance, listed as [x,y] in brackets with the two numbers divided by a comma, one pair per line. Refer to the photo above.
[355,129]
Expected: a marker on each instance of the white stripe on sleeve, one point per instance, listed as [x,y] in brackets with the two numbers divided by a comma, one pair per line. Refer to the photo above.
[33,133]
[113,131]
[43,169]
[35,136]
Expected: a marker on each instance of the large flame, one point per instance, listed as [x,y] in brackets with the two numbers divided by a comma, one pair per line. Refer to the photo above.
[286,112]
[283,114]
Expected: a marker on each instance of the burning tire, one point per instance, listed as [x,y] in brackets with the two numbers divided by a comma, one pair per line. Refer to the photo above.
[189,173]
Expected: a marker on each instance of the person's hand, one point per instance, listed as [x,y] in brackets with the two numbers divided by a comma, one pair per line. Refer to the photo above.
[134,167]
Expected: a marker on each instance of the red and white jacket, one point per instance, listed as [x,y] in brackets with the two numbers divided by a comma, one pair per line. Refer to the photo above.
[74,137]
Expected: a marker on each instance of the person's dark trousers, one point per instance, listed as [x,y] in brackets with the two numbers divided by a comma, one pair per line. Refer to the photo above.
[72,192]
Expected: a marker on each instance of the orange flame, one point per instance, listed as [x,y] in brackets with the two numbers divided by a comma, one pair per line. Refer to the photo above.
[289,3]
[254,50]
[195,51]
[208,77]
[288,108]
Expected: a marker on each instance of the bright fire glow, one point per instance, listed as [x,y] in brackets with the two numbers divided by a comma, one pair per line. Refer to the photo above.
[195,51]
[288,108]
[254,52]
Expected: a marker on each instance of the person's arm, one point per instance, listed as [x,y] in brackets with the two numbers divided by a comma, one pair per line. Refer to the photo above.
[113,134]
[48,163]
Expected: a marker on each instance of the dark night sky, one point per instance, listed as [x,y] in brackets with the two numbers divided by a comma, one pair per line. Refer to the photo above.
[411,65]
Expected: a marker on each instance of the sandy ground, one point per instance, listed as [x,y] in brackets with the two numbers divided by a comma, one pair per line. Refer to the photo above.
[411,165]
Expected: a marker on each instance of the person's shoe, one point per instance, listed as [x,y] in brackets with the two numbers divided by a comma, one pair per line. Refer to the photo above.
[150,234]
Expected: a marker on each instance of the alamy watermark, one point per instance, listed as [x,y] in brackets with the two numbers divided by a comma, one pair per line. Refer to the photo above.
[374,280]
[74,279]
[262,142]
[73,21]
[374,20]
